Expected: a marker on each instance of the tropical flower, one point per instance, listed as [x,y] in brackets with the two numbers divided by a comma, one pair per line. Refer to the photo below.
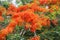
[35,38]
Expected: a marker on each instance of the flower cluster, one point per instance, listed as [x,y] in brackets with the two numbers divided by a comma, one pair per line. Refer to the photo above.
[26,15]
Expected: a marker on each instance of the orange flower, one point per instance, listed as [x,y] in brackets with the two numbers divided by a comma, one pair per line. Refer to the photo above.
[51,10]
[24,7]
[42,2]
[42,9]
[12,8]
[10,27]
[1,18]
[34,1]
[2,38]
[27,26]
[2,9]
[34,6]
[48,22]
[45,21]
[33,28]
[0,13]
[35,38]
[54,1]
